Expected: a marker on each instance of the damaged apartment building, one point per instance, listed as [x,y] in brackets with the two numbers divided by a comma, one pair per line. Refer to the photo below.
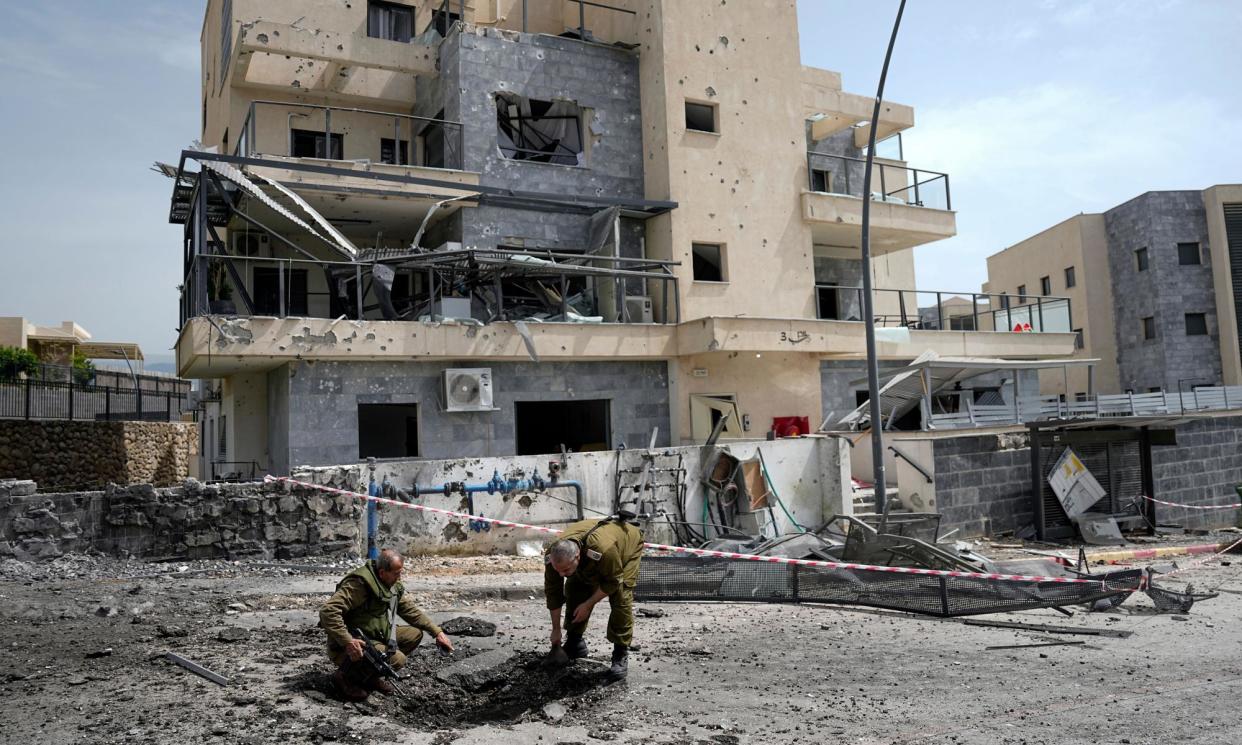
[496,227]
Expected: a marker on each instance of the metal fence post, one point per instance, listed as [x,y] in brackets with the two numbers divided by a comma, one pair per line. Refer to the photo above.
[108,404]
[327,135]
[917,200]
[27,397]
[524,9]
[138,399]
[71,397]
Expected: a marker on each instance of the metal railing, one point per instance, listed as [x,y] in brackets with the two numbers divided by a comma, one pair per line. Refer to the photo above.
[117,380]
[1046,408]
[272,128]
[582,6]
[938,310]
[34,399]
[842,174]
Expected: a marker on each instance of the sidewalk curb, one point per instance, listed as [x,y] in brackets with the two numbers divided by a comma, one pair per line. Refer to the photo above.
[1134,554]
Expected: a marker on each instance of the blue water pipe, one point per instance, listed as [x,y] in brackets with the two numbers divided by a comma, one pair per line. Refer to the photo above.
[498,485]
[373,490]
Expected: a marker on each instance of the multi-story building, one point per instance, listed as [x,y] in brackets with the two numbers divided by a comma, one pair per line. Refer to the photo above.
[491,227]
[1155,285]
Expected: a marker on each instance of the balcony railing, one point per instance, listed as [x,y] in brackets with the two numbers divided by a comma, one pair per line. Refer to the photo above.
[933,310]
[841,174]
[298,130]
[1047,408]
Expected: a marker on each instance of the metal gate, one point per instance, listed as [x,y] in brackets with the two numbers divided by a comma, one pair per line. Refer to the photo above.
[1120,459]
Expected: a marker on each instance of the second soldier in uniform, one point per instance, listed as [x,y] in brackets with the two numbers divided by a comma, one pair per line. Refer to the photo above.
[593,560]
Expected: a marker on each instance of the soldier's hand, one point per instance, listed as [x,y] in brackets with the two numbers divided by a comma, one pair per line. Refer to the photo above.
[556,637]
[443,642]
[353,650]
[583,612]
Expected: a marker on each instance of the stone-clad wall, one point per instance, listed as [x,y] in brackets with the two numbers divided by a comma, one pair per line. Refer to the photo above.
[983,482]
[193,521]
[79,455]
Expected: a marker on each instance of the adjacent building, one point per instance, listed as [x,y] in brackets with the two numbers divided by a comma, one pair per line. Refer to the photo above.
[501,226]
[1155,285]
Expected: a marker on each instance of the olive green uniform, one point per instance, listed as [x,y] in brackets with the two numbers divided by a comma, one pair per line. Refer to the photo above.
[361,601]
[609,553]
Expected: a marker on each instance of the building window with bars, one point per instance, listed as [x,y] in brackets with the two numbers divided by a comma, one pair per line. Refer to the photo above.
[390,21]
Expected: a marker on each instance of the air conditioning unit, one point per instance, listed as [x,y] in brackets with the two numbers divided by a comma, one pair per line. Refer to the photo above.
[468,389]
[249,244]
[638,309]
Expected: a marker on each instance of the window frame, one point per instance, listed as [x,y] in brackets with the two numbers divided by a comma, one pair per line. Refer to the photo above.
[1149,328]
[1022,294]
[1142,260]
[1080,339]
[721,261]
[1071,277]
[1199,317]
[713,108]
[391,7]
[1182,253]
[1045,286]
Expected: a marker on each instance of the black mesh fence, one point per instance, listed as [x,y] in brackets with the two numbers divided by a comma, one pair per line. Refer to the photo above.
[691,578]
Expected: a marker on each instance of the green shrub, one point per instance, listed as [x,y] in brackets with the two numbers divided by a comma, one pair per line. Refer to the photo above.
[83,370]
[15,362]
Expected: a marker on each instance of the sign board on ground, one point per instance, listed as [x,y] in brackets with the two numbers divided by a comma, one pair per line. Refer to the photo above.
[1073,484]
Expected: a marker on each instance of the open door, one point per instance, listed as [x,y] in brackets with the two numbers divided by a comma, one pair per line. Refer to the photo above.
[707,410]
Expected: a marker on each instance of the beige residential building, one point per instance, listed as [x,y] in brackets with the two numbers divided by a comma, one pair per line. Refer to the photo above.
[491,227]
[1155,287]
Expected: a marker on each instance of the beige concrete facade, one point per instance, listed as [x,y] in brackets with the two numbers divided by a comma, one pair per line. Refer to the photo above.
[743,187]
[1214,199]
[1080,244]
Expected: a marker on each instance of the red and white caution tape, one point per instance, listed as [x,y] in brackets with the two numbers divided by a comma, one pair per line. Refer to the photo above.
[1235,505]
[710,553]
[1200,562]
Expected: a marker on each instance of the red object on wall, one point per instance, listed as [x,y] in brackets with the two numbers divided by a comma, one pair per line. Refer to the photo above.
[791,426]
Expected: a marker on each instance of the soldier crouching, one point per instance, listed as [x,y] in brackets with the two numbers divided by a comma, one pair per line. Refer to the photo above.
[593,560]
[370,599]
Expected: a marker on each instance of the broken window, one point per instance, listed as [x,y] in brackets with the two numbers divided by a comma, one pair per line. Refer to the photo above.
[708,262]
[387,430]
[390,21]
[544,426]
[540,131]
[700,117]
[305,143]
[267,291]
[402,155]
[821,180]
[442,20]
[706,411]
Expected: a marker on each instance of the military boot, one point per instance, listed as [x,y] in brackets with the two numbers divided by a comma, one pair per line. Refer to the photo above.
[575,646]
[620,662]
[348,688]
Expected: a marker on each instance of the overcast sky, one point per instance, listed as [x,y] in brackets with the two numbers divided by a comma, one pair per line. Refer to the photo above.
[1038,110]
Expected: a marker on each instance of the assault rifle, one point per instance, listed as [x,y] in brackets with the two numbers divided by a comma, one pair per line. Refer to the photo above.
[375,663]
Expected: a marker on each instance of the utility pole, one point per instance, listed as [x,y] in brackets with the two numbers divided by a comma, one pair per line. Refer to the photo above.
[873,366]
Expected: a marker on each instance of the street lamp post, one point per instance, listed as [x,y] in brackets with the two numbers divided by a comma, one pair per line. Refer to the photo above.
[873,368]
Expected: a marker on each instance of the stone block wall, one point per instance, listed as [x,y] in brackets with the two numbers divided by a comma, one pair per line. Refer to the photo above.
[983,482]
[79,455]
[192,521]
[321,404]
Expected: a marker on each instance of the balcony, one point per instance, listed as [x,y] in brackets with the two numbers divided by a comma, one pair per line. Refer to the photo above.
[933,310]
[912,206]
[614,22]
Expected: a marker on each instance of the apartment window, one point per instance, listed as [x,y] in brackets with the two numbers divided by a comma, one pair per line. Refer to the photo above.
[1149,327]
[398,155]
[306,143]
[267,291]
[821,180]
[387,430]
[1004,301]
[709,262]
[390,21]
[539,131]
[1045,286]
[1070,279]
[1140,259]
[1080,341]
[1196,324]
[1021,294]
[548,426]
[442,20]
[1188,254]
[700,117]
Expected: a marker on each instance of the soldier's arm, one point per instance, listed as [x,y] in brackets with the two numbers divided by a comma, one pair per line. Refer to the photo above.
[350,595]
[553,588]
[415,616]
[610,571]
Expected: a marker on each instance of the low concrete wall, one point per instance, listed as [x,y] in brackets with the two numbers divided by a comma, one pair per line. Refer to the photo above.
[194,521]
[811,476]
[79,455]
[982,481]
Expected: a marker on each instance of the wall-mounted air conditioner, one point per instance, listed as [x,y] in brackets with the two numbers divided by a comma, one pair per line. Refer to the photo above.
[638,309]
[468,389]
[249,244]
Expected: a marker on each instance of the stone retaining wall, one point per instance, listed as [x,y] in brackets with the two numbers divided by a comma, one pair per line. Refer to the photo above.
[79,455]
[192,521]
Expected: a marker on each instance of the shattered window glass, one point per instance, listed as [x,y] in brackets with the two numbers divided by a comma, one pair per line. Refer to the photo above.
[539,131]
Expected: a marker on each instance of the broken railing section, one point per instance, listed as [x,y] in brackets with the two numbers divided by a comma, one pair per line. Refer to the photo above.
[596,284]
